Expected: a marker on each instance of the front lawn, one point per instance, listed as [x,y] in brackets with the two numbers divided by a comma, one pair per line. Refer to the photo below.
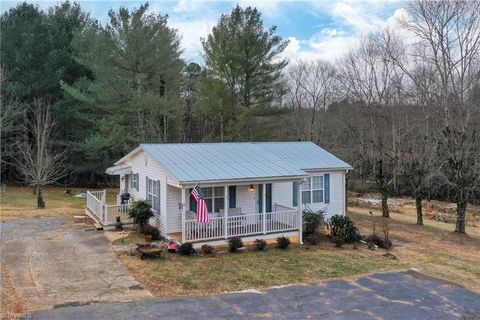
[200,275]
[20,202]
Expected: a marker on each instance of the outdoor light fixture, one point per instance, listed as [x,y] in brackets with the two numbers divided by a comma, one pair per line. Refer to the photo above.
[251,188]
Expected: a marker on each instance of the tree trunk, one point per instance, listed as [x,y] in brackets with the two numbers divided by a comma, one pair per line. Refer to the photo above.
[385,211]
[461,209]
[418,204]
[40,201]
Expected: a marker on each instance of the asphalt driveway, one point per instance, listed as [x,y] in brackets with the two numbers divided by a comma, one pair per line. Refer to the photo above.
[399,295]
[55,264]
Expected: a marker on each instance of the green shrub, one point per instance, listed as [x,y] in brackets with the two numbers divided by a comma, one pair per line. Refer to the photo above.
[235,243]
[343,226]
[207,249]
[312,221]
[149,229]
[186,249]
[339,241]
[260,244]
[283,242]
[141,212]
[311,239]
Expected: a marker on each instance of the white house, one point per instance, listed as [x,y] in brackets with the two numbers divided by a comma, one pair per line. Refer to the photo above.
[253,189]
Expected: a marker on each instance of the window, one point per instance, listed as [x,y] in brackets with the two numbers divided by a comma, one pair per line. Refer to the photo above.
[134,183]
[152,193]
[214,197]
[312,191]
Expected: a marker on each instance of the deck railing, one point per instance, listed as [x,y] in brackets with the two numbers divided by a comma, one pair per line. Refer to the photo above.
[242,225]
[106,213]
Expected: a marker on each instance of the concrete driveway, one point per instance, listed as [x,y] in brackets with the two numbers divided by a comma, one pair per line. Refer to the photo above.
[53,264]
[400,295]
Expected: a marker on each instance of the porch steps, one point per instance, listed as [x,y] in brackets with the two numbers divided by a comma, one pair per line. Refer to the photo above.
[96,224]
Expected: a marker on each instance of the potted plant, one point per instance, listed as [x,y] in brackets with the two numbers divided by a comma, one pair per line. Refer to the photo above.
[141,212]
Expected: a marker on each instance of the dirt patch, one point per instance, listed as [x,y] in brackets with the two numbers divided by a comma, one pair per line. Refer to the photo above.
[11,305]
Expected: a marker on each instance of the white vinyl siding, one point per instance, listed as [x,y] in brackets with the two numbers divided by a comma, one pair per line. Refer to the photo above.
[153,170]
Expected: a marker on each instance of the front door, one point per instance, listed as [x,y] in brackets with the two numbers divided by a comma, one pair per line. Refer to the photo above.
[268,197]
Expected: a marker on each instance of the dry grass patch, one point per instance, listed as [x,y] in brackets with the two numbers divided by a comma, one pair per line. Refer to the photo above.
[11,305]
[433,249]
[204,275]
[20,202]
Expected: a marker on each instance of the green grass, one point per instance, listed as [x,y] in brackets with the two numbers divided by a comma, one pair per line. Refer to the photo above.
[252,269]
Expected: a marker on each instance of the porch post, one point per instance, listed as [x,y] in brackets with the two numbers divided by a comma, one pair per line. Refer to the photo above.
[264,207]
[225,210]
[184,208]
[300,212]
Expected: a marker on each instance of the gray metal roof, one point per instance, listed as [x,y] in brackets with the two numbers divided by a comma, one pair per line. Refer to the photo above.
[191,162]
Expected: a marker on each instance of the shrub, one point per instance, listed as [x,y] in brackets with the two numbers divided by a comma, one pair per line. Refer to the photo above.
[260,244]
[315,238]
[312,239]
[207,249]
[186,249]
[312,221]
[140,212]
[342,226]
[149,229]
[380,242]
[235,243]
[283,242]
[339,241]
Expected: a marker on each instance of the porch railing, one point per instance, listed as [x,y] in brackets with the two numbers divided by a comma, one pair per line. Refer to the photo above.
[105,213]
[242,225]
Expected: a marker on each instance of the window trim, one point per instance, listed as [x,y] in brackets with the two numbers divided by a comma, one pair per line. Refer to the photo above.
[212,197]
[152,197]
[311,189]
[135,178]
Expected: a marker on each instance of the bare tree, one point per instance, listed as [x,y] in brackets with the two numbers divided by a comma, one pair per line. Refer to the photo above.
[448,45]
[312,87]
[373,82]
[37,162]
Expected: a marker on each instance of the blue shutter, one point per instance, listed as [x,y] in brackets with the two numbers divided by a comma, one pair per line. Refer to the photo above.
[158,198]
[268,197]
[146,189]
[232,196]
[137,181]
[260,198]
[193,203]
[295,194]
[326,188]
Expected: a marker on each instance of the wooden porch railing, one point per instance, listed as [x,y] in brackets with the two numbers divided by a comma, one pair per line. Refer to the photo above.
[242,225]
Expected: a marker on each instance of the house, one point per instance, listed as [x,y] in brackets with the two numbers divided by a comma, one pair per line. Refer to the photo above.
[252,189]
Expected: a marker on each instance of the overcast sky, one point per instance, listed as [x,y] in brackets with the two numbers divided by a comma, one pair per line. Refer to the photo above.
[315,28]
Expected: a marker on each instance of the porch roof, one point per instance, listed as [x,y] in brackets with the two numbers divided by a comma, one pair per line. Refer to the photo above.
[118,170]
[204,162]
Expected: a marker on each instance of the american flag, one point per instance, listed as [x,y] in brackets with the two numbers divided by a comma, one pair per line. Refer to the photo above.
[202,211]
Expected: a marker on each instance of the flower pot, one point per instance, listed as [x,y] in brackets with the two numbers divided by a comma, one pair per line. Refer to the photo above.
[148,237]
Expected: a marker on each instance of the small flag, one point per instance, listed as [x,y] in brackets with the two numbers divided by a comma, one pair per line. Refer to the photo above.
[202,211]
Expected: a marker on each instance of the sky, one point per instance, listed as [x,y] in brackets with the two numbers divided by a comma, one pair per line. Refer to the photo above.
[315,29]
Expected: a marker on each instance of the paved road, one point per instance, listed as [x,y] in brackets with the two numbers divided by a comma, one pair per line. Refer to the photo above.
[401,295]
[54,264]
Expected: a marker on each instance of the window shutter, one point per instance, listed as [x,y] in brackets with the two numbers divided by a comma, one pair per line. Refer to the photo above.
[158,198]
[193,203]
[295,194]
[232,196]
[268,197]
[146,189]
[326,187]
